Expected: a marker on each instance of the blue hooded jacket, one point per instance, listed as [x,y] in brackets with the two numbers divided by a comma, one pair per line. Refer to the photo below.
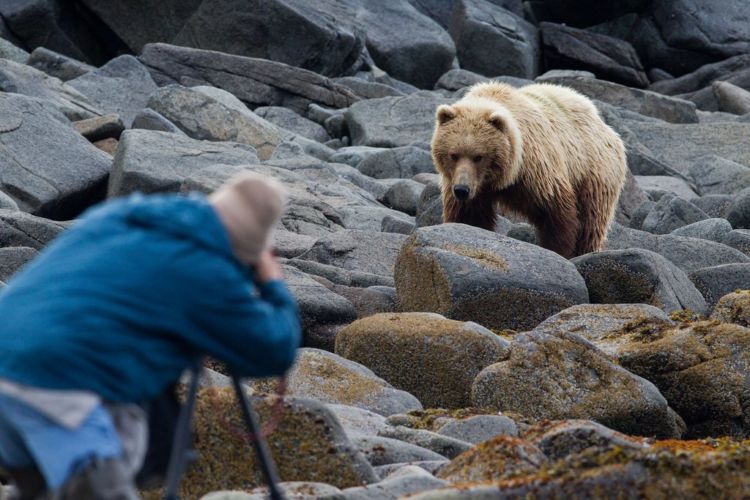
[135,292]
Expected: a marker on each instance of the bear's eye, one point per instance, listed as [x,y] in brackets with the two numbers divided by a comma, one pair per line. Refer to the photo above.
[454,157]
[477,158]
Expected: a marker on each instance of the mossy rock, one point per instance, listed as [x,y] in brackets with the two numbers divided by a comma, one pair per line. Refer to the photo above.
[693,470]
[308,445]
[470,274]
[327,377]
[494,459]
[425,354]
[734,308]
[564,376]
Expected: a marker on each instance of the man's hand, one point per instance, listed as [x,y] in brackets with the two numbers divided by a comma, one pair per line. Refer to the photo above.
[268,268]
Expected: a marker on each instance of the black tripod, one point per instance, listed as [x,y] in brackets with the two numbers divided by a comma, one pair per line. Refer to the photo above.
[179,457]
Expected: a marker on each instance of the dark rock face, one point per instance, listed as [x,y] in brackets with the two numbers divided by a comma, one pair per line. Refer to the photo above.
[608,58]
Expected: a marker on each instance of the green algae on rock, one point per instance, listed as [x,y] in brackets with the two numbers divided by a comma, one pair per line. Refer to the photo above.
[564,376]
[308,445]
[467,273]
[431,357]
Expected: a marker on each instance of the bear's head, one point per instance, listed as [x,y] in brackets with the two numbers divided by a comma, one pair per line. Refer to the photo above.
[476,147]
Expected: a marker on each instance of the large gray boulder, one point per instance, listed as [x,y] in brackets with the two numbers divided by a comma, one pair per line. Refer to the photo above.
[121,86]
[468,273]
[715,175]
[289,120]
[481,28]
[638,277]
[204,117]
[58,65]
[702,77]
[717,281]
[709,229]
[670,109]
[45,166]
[21,79]
[12,259]
[150,161]
[595,388]
[739,211]
[396,163]
[408,480]
[256,82]
[393,121]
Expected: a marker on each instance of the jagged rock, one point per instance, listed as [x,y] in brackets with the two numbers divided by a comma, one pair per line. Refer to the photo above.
[256,82]
[457,79]
[12,259]
[339,276]
[670,213]
[206,118]
[7,203]
[638,276]
[148,119]
[329,378]
[391,224]
[708,229]
[424,354]
[358,251]
[528,382]
[480,27]
[608,58]
[702,77]
[733,308]
[150,161]
[404,196]
[45,166]
[290,489]
[715,175]
[480,428]
[121,86]
[393,121]
[632,196]
[289,120]
[308,445]
[366,89]
[58,65]
[739,212]
[645,102]
[640,214]
[596,322]
[559,439]
[686,253]
[718,281]
[493,460]
[658,185]
[466,273]
[28,81]
[407,480]
[100,127]
[382,451]
[357,420]
[446,446]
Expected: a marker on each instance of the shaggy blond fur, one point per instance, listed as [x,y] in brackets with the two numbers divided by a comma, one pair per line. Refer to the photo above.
[542,151]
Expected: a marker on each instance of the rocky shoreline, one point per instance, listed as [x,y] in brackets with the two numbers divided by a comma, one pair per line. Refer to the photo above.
[441,361]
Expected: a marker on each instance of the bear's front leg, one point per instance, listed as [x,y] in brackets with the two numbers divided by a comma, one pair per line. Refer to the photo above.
[479,211]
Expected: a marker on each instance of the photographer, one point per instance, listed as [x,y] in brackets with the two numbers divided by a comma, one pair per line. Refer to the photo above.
[110,314]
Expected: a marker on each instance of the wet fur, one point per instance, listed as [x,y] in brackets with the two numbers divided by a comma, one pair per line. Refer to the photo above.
[545,154]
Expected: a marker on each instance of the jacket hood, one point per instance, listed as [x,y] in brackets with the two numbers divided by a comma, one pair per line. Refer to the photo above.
[184,216]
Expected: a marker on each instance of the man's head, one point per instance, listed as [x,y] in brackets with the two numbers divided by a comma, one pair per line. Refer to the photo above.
[249,205]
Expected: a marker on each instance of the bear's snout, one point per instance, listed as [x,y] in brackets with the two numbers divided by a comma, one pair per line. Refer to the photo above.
[461,192]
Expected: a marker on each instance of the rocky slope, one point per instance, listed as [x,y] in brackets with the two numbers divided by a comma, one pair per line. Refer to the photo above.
[441,361]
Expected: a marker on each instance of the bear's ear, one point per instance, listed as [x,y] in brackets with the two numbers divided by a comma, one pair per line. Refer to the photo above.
[445,113]
[497,120]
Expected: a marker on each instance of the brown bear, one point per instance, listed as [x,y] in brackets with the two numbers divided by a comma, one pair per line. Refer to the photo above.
[541,151]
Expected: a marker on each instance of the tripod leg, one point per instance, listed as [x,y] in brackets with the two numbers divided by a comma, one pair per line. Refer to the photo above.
[261,447]
[178,456]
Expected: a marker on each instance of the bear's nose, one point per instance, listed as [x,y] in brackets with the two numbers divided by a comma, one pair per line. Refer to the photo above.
[461,192]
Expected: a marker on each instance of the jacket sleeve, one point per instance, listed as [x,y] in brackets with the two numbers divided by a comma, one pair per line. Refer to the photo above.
[255,330]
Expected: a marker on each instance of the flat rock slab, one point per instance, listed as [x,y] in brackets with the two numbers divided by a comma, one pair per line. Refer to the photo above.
[256,82]
[20,229]
[150,161]
[45,166]
[467,273]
